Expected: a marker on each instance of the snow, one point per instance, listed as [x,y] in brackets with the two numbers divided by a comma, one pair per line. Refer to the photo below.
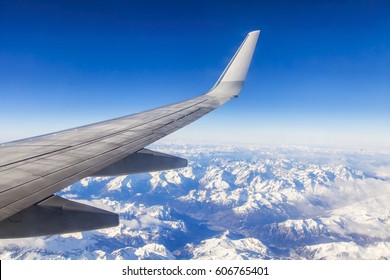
[154,252]
[234,203]
[115,184]
[223,248]
[349,251]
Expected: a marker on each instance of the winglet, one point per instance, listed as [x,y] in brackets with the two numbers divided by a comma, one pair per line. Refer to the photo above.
[238,67]
[232,79]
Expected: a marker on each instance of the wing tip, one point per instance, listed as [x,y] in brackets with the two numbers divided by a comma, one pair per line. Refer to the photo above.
[233,77]
[238,67]
[254,32]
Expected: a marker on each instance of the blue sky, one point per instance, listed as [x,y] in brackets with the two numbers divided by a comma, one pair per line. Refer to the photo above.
[320,74]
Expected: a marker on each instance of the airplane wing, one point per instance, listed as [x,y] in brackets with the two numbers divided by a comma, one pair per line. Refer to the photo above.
[32,170]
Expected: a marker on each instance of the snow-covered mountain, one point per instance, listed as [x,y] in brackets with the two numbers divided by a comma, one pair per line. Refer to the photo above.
[235,203]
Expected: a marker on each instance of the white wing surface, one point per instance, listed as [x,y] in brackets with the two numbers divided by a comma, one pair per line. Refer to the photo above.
[32,170]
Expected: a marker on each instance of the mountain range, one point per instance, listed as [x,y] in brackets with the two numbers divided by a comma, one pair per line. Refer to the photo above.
[233,202]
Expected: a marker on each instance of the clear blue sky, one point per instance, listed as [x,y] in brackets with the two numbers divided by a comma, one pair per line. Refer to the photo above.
[320,74]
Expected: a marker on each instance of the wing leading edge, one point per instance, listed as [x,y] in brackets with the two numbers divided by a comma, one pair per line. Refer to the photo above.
[32,170]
